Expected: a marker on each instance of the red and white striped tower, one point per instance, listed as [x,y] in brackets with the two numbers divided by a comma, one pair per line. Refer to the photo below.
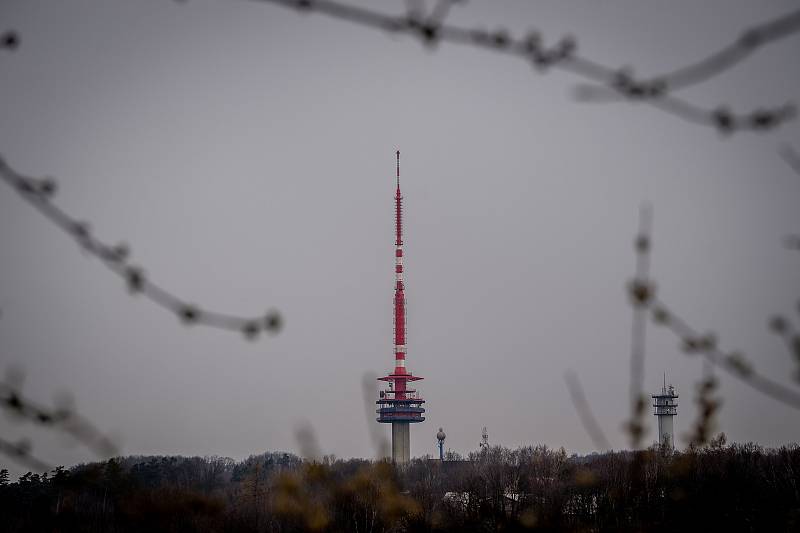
[398,404]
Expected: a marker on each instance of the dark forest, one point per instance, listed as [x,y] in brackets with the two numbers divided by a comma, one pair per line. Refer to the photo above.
[738,487]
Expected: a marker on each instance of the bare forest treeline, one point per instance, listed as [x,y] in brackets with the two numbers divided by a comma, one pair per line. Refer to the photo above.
[738,487]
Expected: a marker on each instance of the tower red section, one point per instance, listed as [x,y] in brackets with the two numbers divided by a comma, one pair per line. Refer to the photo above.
[398,403]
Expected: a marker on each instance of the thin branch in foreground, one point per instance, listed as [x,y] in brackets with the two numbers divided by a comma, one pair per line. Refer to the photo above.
[642,293]
[440,11]
[748,42]
[707,407]
[380,444]
[641,290]
[732,362]
[20,452]
[584,411]
[564,56]
[783,328]
[39,193]
[712,65]
[791,157]
[62,418]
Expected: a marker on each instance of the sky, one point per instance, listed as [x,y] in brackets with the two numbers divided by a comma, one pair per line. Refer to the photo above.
[245,152]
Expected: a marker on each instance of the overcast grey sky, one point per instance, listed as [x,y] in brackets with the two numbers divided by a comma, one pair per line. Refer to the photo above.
[246,153]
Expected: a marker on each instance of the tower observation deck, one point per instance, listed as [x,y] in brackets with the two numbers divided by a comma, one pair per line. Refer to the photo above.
[397,404]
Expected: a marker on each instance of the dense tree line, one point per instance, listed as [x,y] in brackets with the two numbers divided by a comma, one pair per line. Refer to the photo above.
[719,487]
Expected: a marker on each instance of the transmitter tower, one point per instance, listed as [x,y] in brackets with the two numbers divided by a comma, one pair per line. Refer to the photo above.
[399,405]
[665,408]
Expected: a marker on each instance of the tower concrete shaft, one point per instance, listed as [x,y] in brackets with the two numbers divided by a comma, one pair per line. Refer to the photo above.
[398,404]
[401,442]
[665,408]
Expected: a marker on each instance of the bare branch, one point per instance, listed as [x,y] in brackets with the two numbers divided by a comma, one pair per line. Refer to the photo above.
[732,362]
[584,410]
[748,42]
[641,291]
[783,328]
[642,295]
[39,192]
[379,442]
[706,68]
[707,407]
[440,10]
[62,418]
[21,453]
[564,56]
[791,157]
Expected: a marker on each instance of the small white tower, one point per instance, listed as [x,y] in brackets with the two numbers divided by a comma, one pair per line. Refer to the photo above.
[665,406]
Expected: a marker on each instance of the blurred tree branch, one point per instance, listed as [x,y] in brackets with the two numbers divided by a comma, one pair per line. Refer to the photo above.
[640,289]
[735,363]
[721,60]
[791,157]
[657,91]
[61,418]
[642,293]
[39,194]
[21,453]
[584,411]
[707,407]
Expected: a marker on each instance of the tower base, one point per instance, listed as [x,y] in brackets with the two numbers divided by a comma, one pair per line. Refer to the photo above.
[401,442]
[665,433]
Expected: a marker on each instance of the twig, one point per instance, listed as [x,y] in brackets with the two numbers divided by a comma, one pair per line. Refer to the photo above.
[564,56]
[716,63]
[732,362]
[707,408]
[38,193]
[21,453]
[379,442]
[748,42]
[641,291]
[584,410]
[791,157]
[783,328]
[440,10]
[642,295]
[63,419]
